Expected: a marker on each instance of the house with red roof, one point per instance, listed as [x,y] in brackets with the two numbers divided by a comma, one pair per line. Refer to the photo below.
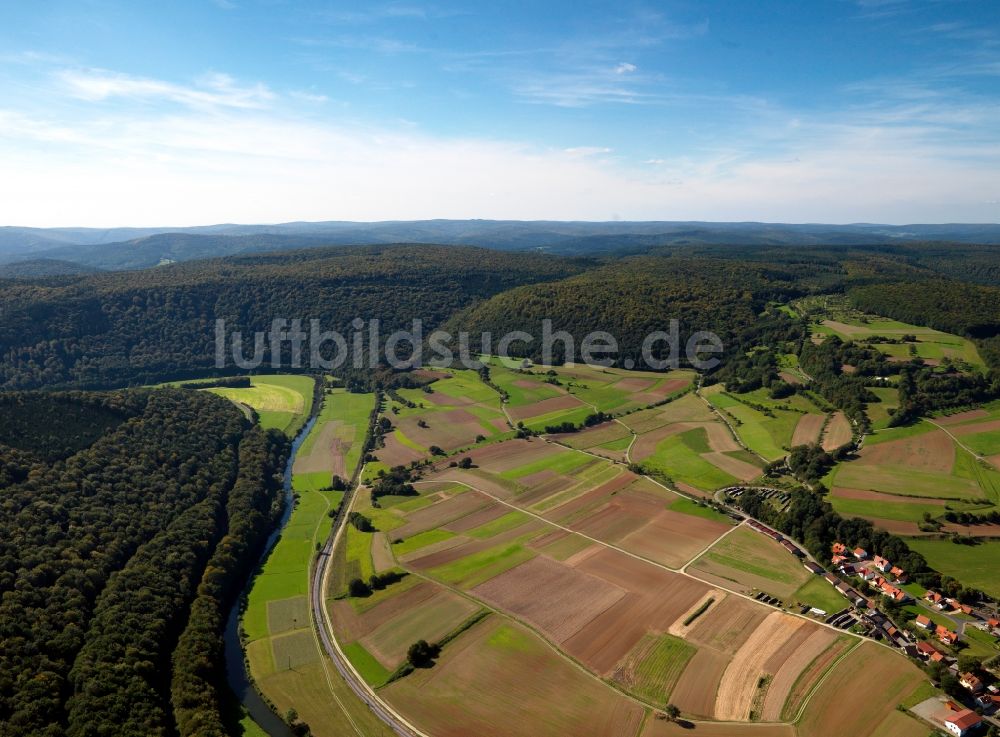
[882,564]
[923,622]
[971,682]
[891,591]
[945,635]
[838,549]
[898,573]
[860,553]
[926,649]
[837,559]
[960,723]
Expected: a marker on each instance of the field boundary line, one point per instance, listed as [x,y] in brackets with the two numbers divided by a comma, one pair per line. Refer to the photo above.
[961,445]
[647,560]
[730,531]
[821,681]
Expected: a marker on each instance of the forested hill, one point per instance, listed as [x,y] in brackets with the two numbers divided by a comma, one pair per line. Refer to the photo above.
[118,328]
[633,297]
[117,563]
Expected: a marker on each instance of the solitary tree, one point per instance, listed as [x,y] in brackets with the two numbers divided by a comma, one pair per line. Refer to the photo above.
[672,712]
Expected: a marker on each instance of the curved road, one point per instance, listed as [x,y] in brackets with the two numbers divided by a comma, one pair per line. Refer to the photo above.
[323,625]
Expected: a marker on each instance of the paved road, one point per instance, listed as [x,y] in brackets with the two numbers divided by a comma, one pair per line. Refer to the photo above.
[323,626]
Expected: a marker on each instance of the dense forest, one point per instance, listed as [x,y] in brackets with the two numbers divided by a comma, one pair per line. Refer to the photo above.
[113,554]
[123,328]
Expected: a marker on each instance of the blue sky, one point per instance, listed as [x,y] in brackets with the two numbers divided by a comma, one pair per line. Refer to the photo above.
[203,111]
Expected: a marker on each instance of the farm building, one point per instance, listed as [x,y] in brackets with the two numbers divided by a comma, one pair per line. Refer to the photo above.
[812,567]
[960,723]
[792,548]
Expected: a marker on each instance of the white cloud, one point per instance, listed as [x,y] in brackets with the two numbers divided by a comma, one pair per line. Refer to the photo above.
[220,152]
[213,90]
[625,68]
[581,151]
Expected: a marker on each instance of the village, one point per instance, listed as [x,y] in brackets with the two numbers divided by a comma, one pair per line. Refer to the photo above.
[925,625]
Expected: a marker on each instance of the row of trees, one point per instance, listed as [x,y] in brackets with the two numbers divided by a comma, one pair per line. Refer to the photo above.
[811,520]
[198,673]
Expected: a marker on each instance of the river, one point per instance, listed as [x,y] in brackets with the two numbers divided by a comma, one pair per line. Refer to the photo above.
[236,673]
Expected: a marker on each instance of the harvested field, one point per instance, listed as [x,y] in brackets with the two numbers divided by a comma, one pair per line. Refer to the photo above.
[611,523]
[688,408]
[446,400]
[695,693]
[562,546]
[699,609]
[350,625]
[452,429]
[663,728]
[430,620]
[441,513]
[985,530]
[725,627]
[328,452]
[556,598]
[738,686]
[881,498]
[785,677]
[635,385]
[930,451]
[382,557]
[878,680]
[955,419]
[975,427]
[480,517]
[546,406]
[606,432]
[895,526]
[811,675]
[741,469]
[511,672]
[396,454]
[673,538]
[838,431]
[572,509]
[655,599]
[807,430]
[511,454]
[789,377]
